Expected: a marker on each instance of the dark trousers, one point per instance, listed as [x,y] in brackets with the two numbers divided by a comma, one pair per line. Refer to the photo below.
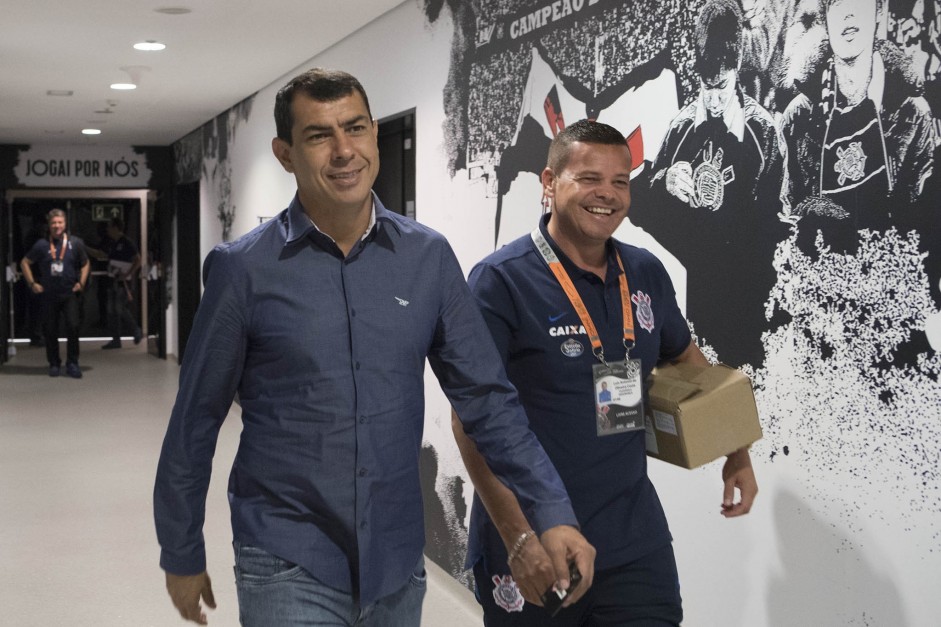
[119,313]
[644,593]
[67,308]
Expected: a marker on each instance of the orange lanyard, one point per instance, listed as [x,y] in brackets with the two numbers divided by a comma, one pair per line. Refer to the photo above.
[552,260]
[52,248]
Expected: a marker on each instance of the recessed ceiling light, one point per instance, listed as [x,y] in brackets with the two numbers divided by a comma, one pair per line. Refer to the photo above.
[149,45]
[59,92]
[91,131]
[123,86]
[173,10]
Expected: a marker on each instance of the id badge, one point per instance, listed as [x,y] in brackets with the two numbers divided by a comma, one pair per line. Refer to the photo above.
[57,267]
[619,397]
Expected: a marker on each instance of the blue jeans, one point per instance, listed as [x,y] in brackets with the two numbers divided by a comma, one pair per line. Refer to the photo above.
[273,592]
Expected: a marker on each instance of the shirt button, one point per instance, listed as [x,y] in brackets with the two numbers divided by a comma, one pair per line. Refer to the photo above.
[362,420]
[362,525]
[353,312]
[362,472]
[357,365]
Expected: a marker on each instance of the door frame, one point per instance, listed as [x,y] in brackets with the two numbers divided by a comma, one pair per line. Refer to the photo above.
[142,195]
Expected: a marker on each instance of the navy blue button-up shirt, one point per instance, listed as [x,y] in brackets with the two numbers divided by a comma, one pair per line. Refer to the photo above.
[327,355]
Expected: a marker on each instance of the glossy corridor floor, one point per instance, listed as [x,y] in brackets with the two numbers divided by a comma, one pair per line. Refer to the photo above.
[77,462]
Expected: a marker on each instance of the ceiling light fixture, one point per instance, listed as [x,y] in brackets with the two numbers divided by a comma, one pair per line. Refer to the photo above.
[123,86]
[91,131]
[149,46]
[173,10]
[59,92]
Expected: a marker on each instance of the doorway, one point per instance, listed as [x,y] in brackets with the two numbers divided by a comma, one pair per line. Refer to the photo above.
[395,184]
[87,215]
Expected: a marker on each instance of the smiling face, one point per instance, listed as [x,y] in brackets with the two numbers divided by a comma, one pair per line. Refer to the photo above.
[591,194]
[851,27]
[56,227]
[333,154]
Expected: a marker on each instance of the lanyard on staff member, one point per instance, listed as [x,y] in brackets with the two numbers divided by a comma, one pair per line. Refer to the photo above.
[57,264]
[618,387]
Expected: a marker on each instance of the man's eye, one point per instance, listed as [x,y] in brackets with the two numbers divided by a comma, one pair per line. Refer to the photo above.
[358,129]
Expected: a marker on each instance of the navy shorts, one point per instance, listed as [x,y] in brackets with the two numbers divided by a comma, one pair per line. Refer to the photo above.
[643,593]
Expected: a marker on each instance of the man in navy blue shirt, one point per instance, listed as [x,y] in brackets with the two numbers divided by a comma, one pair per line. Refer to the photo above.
[575,312]
[63,267]
[321,320]
[123,263]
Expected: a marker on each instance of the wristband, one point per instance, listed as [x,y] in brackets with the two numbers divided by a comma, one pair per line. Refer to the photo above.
[525,537]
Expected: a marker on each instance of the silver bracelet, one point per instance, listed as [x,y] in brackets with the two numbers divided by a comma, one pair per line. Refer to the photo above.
[525,537]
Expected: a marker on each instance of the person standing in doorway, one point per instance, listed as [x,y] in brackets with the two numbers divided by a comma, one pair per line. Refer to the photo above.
[123,264]
[62,267]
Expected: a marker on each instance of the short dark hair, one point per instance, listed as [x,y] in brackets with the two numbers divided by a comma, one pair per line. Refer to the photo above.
[585,131]
[117,223]
[718,38]
[55,213]
[318,83]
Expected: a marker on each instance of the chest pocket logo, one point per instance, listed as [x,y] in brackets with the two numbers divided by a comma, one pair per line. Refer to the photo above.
[644,311]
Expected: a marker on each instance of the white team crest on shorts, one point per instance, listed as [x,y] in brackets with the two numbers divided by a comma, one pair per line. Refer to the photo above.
[644,311]
[507,594]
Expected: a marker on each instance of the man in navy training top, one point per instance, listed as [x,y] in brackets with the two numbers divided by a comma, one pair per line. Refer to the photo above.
[62,265]
[556,366]
[123,263]
[321,320]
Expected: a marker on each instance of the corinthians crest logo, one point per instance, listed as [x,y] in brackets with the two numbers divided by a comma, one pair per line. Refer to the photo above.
[507,594]
[709,179]
[851,163]
[644,311]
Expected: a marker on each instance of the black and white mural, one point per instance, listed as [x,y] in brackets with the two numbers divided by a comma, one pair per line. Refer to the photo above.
[785,165]
[204,155]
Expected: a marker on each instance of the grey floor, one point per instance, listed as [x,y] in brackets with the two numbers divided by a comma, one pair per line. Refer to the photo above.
[77,460]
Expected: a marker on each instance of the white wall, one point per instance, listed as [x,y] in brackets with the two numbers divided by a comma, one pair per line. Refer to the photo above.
[812,552]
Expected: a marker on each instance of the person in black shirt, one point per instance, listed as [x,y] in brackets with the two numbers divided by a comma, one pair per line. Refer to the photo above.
[61,264]
[123,263]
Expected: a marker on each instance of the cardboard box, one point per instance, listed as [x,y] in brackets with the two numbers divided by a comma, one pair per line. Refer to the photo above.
[698,414]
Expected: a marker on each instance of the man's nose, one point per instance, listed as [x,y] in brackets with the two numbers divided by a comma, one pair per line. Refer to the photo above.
[604,191]
[342,147]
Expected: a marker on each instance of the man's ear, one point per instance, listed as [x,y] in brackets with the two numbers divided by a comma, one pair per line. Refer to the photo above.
[548,179]
[282,152]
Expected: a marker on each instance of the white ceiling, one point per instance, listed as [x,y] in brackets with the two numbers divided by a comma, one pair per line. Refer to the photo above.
[216,55]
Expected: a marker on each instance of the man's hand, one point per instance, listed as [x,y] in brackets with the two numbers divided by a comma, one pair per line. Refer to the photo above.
[533,572]
[680,182]
[186,590]
[36,288]
[737,473]
[564,544]
[77,287]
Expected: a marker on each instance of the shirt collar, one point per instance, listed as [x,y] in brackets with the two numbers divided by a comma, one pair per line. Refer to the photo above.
[613,268]
[734,115]
[299,224]
[877,83]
